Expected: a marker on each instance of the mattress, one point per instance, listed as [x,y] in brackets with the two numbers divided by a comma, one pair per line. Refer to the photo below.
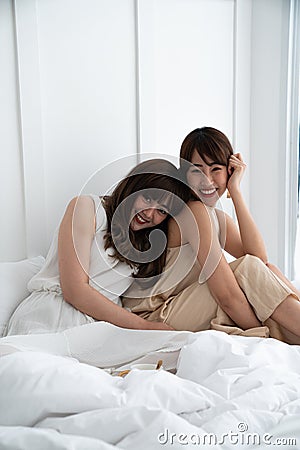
[63,390]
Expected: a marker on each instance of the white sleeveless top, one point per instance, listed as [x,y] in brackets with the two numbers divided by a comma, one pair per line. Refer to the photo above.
[107,275]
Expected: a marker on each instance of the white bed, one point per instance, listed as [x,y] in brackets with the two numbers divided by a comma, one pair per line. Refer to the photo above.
[57,390]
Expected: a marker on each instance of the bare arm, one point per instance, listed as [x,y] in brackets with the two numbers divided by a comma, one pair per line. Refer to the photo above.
[246,239]
[75,238]
[215,269]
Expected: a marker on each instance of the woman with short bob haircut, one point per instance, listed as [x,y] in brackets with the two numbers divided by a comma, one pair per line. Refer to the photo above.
[247,296]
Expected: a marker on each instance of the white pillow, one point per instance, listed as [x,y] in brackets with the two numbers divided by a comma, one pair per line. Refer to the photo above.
[14,277]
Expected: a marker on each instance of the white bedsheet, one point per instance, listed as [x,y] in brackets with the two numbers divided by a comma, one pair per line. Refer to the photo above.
[230,392]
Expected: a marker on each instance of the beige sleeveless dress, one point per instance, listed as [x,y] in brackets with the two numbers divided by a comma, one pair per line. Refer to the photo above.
[185,303]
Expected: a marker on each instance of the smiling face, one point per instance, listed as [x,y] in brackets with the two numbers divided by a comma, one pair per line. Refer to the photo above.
[208,180]
[147,213]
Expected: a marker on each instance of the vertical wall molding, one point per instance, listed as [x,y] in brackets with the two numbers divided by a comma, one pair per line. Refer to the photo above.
[292,139]
[242,86]
[137,78]
[27,54]
[145,62]
[269,64]
[234,77]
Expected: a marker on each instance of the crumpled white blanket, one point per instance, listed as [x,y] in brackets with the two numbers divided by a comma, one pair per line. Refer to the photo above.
[230,392]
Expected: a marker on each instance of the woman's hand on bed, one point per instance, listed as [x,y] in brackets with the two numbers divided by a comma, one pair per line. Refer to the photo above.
[151,325]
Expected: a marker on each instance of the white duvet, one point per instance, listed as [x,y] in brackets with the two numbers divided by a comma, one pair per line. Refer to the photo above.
[230,392]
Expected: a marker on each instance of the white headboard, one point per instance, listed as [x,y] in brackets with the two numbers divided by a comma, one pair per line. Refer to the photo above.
[88,82]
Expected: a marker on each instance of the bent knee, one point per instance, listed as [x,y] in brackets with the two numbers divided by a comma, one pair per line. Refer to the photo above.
[252,262]
[253,258]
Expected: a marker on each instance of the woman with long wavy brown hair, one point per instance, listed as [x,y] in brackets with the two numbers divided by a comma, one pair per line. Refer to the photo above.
[101,245]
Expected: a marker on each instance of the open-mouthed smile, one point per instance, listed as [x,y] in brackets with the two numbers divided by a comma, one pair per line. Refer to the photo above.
[140,219]
[208,191]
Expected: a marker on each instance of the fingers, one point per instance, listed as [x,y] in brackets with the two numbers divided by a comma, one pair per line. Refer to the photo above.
[236,161]
[236,168]
[238,155]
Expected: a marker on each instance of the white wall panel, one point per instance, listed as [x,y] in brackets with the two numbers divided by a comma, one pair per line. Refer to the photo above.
[88,82]
[12,220]
[242,87]
[30,125]
[270,26]
[186,69]
[87,67]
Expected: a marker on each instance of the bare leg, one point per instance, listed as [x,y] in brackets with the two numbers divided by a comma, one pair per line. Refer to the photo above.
[287,314]
[283,278]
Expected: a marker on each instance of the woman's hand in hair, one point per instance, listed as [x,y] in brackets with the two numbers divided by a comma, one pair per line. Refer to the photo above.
[246,239]
[236,169]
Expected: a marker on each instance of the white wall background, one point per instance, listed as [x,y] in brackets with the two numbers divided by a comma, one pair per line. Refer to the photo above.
[87,82]
[186,69]
[271,177]
[12,219]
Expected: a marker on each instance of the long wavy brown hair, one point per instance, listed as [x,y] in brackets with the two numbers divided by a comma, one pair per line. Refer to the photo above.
[160,180]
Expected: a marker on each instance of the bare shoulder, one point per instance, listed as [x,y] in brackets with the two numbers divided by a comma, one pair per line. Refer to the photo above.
[80,211]
[188,222]
[196,206]
[198,209]
[81,202]
[177,227]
